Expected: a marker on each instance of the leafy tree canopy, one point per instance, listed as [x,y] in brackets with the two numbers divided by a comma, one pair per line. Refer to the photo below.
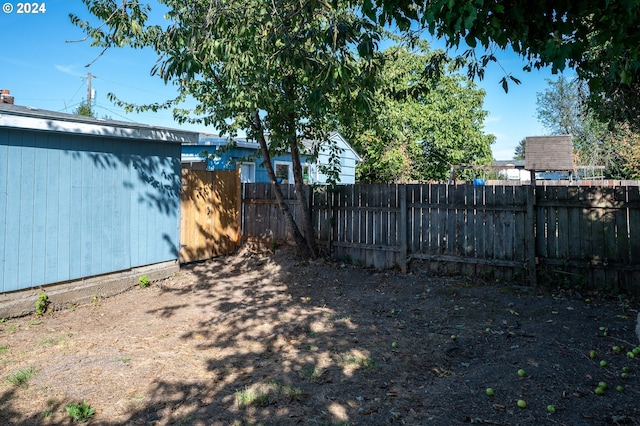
[562,110]
[600,39]
[420,126]
[518,154]
[84,109]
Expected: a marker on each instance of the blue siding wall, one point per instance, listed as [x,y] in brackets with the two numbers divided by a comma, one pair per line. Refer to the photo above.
[226,159]
[74,206]
[4,159]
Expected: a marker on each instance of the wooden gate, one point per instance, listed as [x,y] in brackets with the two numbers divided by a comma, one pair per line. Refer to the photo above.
[210,214]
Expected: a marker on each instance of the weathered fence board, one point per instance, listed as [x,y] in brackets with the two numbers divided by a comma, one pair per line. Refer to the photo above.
[262,217]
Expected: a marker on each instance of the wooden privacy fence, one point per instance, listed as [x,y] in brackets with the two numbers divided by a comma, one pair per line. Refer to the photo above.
[590,234]
[578,235]
[262,219]
[210,208]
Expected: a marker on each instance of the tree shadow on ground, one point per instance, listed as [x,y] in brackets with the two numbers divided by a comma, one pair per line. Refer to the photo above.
[271,340]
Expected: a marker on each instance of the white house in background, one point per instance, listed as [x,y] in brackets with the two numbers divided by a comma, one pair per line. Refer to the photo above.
[513,170]
[349,159]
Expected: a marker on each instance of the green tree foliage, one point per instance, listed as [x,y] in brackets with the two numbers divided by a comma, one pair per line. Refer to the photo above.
[280,71]
[519,151]
[627,148]
[420,126]
[562,109]
[599,39]
[84,110]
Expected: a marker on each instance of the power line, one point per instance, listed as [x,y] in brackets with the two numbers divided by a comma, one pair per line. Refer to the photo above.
[126,85]
[69,106]
[114,113]
[74,95]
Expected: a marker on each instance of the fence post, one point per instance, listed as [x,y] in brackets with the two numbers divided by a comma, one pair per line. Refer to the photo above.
[530,233]
[402,226]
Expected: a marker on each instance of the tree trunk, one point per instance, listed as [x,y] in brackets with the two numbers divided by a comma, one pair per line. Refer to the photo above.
[307,225]
[300,240]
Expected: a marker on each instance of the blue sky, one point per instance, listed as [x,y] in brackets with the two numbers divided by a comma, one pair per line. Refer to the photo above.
[43,65]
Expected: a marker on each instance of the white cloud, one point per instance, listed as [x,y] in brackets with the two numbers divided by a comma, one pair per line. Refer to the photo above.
[69,69]
[493,119]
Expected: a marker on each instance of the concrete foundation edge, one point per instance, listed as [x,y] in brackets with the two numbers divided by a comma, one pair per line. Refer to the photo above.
[78,292]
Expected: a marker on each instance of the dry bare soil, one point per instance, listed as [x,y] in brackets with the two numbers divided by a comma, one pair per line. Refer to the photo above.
[266,339]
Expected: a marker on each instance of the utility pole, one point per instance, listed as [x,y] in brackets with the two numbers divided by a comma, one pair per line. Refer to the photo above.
[89,92]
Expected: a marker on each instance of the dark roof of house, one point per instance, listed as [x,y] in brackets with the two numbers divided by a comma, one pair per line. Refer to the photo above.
[517,164]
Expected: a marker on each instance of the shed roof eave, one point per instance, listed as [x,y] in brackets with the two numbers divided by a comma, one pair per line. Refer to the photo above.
[26,119]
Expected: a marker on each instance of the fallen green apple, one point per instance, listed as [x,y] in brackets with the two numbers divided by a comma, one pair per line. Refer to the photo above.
[592,354]
[619,388]
[603,363]
[522,373]
[624,375]
[599,391]
[489,391]
[522,403]
[631,354]
[602,385]
[551,408]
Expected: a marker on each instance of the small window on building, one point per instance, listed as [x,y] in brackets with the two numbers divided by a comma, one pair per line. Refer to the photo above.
[283,170]
[247,172]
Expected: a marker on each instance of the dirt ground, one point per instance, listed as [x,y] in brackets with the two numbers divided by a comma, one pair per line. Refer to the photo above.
[266,339]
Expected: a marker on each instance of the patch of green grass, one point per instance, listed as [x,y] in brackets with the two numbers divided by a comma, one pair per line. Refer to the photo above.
[21,377]
[360,361]
[34,322]
[247,398]
[245,423]
[51,341]
[312,373]
[4,349]
[42,304]
[143,281]
[80,412]
[12,328]
[123,360]
[291,393]
[95,299]
[52,404]
[264,395]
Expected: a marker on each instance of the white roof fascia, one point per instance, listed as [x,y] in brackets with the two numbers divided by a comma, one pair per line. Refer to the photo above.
[134,131]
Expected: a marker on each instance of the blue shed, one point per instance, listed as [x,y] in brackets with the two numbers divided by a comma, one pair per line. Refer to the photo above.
[245,154]
[81,197]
